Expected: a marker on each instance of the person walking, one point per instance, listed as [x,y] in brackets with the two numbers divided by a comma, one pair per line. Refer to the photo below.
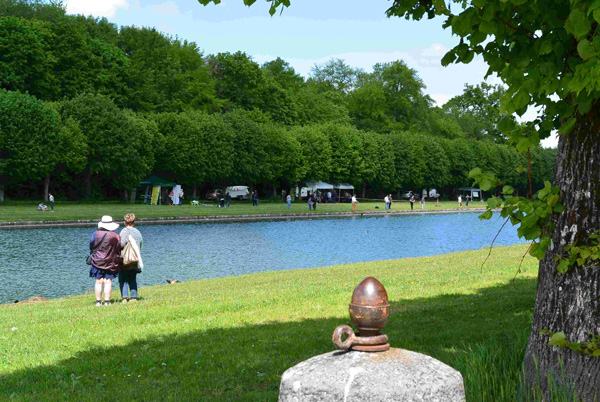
[255,198]
[105,258]
[386,199]
[128,273]
[51,199]
[309,202]
[227,200]
[459,201]
[314,201]
[354,202]
[390,201]
[412,201]
[468,198]
[289,201]
[422,202]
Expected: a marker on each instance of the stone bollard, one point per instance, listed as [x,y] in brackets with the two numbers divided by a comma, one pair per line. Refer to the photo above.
[395,375]
[367,369]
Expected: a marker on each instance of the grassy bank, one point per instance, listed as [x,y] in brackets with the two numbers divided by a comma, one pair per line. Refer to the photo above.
[16,211]
[232,338]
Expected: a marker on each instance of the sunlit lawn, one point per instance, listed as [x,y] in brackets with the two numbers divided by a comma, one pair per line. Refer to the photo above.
[232,338]
[27,211]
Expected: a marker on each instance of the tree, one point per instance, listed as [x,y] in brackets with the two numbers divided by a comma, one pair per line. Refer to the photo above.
[119,142]
[334,74]
[315,152]
[390,98]
[284,74]
[25,64]
[29,138]
[477,111]
[197,147]
[548,55]
[166,75]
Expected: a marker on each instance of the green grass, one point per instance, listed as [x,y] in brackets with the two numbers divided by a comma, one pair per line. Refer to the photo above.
[232,338]
[15,211]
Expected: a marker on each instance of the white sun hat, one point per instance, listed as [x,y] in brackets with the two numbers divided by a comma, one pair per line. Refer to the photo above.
[107,223]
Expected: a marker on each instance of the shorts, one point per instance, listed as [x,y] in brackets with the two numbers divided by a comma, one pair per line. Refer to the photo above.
[100,273]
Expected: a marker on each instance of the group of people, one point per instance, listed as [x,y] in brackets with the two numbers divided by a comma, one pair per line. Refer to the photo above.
[388,201]
[43,207]
[106,263]
[467,200]
[225,201]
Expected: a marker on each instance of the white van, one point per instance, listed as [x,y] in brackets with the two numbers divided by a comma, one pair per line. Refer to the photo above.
[238,192]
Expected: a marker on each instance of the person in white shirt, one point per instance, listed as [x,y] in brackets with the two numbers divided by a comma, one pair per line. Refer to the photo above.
[459,201]
[354,202]
[51,199]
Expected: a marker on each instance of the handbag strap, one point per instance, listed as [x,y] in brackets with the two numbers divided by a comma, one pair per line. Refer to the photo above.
[94,249]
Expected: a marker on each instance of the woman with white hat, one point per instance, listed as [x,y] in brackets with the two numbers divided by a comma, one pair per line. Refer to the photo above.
[105,258]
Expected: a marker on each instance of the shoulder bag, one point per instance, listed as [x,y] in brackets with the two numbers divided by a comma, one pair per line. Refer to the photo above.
[130,254]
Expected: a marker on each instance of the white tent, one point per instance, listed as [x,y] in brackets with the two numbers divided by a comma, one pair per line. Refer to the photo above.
[318,185]
[343,186]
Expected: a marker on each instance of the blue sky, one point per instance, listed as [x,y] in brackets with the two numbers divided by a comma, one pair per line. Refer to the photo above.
[309,32]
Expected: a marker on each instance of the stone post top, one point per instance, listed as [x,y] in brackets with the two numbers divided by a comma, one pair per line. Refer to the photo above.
[394,375]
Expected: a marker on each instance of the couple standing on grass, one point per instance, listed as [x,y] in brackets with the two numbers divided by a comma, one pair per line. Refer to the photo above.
[105,259]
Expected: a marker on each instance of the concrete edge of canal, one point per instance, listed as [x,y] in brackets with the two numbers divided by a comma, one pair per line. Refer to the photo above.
[230,218]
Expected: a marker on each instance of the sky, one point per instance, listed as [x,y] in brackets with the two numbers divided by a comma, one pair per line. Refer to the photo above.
[308,32]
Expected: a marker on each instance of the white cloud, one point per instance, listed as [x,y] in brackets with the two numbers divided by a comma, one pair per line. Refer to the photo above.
[168,8]
[97,8]
[440,99]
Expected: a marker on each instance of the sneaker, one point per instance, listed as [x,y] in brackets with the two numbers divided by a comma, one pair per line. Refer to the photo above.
[98,303]
[133,299]
[124,301]
[106,303]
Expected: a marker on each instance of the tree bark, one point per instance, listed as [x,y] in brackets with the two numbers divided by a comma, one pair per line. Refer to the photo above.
[46,187]
[88,184]
[570,303]
[1,192]
[194,192]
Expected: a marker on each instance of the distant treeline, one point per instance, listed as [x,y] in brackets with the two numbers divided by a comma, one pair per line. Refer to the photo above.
[88,109]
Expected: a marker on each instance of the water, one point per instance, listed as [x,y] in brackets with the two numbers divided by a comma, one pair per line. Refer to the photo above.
[50,262]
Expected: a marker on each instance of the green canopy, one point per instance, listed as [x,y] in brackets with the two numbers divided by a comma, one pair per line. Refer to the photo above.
[157,181]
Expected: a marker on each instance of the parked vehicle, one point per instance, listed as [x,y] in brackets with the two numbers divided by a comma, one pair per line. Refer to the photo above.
[433,194]
[408,194]
[238,192]
[214,194]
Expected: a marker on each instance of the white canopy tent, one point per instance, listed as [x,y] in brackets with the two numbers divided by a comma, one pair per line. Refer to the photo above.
[343,186]
[318,185]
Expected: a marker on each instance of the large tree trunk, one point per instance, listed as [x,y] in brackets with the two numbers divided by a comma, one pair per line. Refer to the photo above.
[194,191]
[46,187]
[570,303]
[1,192]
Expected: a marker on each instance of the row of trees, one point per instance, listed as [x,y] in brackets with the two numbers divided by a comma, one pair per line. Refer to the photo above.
[117,104]
[93,147]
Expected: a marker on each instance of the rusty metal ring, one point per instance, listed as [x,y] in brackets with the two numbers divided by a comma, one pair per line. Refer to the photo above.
[371,340]
[337,337]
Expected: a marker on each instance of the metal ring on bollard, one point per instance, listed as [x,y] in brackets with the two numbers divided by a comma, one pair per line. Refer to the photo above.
[337,337]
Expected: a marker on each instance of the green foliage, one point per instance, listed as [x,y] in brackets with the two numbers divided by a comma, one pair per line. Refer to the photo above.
[29,138]
[590,347]
[580,253]
[543,60]
[477,111]
[119,143]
